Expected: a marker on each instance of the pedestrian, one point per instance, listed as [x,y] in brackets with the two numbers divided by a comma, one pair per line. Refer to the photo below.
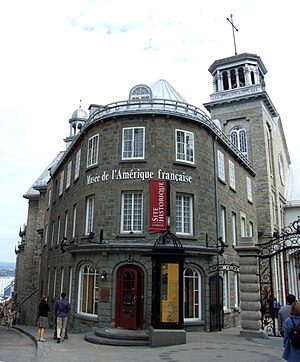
[284,312]
[10,318]
[290,353]
[62,308]
[44,309]
[276,306]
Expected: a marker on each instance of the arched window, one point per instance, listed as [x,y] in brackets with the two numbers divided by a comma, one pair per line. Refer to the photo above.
[140,92]
[238,137]
[241,77]
[233,78]
[225,80]
[88,290]
[192,294]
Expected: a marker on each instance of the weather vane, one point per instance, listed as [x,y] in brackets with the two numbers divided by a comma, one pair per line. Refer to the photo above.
[233,29]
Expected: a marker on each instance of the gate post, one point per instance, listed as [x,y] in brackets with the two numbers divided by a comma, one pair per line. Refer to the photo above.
[249,289]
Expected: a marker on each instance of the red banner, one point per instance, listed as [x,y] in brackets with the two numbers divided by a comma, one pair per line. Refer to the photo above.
[158,206]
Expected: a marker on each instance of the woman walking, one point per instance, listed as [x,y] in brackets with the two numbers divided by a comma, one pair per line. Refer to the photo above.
[290,353]
[43,318]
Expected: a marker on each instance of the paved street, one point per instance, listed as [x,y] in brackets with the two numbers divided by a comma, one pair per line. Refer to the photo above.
[225,346]
[16,346]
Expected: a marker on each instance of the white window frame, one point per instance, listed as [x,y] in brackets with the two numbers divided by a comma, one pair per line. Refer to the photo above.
[249,189]
[66,224]
[84,282]
[251,229]
[226,290]
[46,234]
[132,146]
[221,166]
[184,214]
[70,282]
[54,283]
[234,228]
[77,165]
[58,230]
[243,225]
[74,221]
[236,290]
[238,137]
[223,230]
[52,233]
[197,296]
[89,215]
[185,146]
[69,173]
[62,272]
[232,182]
[93,150]
[132,212]
[49,197]
[61,182]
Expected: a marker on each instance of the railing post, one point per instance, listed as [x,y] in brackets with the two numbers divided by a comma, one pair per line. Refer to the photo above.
[249,289]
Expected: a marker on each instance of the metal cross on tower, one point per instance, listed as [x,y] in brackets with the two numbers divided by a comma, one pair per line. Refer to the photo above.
[233,29]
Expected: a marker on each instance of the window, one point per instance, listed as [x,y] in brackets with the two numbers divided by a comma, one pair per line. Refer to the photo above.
[54,283]
[92,151]
[74,221]
[77,165]
[234,229]
[184,214]
[226,289]
[132,207]
[61,182]
[231,175]
[243,225]
[251,229]
[249,189]
[88,290]
[239,139]
[221,166]
[184,146]
[270,147]
[89,219]
[133,143]
[70,282]
[69,172]
[192,294]
[52,233]
[66,224]
[223,223]
[58,231]
[49,197]
[49,279]
[46,234]
[140,92]
[236,289]
[62,271]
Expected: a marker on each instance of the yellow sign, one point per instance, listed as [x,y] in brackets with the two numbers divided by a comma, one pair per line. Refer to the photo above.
[169,292]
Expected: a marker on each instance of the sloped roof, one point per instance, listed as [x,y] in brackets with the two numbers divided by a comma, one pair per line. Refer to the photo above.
[41,182]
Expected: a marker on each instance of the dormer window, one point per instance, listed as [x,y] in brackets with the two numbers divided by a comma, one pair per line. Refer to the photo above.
[140,92]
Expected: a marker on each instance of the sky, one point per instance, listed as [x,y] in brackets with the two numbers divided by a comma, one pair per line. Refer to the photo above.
[55,53]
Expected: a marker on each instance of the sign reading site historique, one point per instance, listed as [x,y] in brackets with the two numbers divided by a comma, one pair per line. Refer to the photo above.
[138,175]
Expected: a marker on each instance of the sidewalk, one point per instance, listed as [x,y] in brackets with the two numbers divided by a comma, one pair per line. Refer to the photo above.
[225,346]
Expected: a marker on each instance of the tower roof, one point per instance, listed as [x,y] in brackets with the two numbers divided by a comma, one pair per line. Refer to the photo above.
[163,90]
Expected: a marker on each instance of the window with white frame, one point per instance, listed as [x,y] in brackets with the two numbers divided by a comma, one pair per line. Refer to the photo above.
[61,182]
[58,231]
[52,233]
[249,189]
[231,175]
[239,139]
[236,290]
[243,225]
[133,145]
[192,294]
[92,151]
[66,224]
[46,234]
[89,214]
[49,197]
[251,229]
[54,283]
[234,228]
[184,214]
[77,165]
[88,290]
[69,172]
[223,223]
[184,146]
[62,272]
[221,166]
[132,212]
[70,282]
[226,290]
[74,221]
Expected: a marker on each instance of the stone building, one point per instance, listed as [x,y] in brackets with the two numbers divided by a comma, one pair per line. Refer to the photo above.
[91,222]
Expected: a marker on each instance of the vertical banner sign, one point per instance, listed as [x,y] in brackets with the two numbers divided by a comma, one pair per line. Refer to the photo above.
[158,206]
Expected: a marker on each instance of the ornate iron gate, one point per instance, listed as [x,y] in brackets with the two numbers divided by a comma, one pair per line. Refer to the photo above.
[280,244]
[216,303]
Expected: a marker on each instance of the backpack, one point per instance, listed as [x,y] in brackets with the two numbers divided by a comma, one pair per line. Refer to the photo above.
[295,335]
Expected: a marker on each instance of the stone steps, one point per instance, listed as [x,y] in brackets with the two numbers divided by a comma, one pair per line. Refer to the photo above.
[118,337]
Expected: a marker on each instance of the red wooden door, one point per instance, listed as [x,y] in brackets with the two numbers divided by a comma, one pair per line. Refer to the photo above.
[129,297]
